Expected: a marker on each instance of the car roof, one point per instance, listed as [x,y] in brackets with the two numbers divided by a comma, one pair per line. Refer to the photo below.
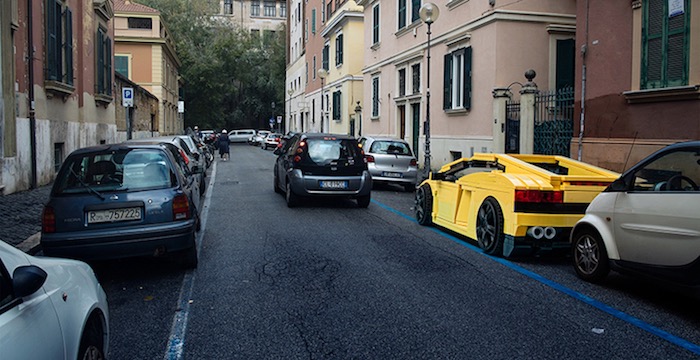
[115,147]
[384,138]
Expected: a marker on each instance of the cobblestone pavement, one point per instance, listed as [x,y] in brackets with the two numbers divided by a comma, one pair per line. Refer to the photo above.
[20,214]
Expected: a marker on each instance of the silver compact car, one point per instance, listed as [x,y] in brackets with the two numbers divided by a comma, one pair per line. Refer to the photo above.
[317,164]
[390,161]
[50,308]
[647,222]
[122,200]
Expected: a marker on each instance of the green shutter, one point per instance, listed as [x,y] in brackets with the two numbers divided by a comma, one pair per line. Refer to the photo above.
[665,46]
[108,67]
[51,48]
[447,83]
[68,47]
[402,14]
[415,10]
[375,25]
[99,42]
[339,49]
[467,90]
[313,21]
[336,105]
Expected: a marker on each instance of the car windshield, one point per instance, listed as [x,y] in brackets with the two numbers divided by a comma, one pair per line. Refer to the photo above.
[390,147]
[122,170]
[323,151]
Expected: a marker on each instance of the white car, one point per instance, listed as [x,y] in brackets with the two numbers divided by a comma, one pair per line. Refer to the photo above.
[50,308]
[647,222]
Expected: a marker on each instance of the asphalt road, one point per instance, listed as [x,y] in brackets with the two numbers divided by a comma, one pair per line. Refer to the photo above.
[329,280]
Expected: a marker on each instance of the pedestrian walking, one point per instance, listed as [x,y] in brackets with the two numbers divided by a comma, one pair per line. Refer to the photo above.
[224,145]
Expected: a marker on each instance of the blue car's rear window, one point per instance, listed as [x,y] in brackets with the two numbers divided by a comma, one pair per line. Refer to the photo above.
[123,170]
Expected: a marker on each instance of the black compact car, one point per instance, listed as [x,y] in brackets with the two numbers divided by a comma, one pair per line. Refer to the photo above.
[315,164]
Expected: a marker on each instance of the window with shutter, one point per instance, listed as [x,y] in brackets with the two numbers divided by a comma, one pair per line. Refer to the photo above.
[457,86]
[336,106]
[402,82]
[339,50]
[68,47]
[375,24]
[415,10]
[325,56]
[402,14]
[665,47]
[375,96]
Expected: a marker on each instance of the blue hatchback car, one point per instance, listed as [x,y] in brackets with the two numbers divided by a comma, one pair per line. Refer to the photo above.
[122,200]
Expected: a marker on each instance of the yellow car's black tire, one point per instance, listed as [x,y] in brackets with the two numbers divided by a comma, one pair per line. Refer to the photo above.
[424,205]
[590,256]
[489,227]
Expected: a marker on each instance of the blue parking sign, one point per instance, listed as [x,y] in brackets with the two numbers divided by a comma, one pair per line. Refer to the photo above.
[127,97]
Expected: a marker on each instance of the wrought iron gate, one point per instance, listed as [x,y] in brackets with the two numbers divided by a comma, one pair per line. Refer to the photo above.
[554,121]
[512,127]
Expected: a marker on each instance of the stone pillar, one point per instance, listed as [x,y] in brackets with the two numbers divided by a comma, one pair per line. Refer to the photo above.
[500,97]
[527,114]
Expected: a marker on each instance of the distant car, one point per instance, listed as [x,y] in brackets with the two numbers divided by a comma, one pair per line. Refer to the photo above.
[240,135]
[258,138]
[195,159]
[647,222]
[390,161]
[122,200]
[50,308]
[513,204]
[316,164]
[271,141]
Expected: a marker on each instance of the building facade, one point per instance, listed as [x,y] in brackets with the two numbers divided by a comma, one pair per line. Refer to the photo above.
[475,47]
[343,35]
[144,53]
[62,98]
[639,76]
[257,16]
[296,109]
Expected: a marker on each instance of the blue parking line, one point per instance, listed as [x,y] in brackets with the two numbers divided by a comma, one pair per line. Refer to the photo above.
[694,348]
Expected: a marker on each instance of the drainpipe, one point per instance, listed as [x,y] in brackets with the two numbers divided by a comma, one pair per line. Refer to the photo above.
[32,117]
[584,48]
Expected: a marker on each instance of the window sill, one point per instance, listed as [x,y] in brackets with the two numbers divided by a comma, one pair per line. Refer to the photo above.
[374,118]
[375,46]
[457,111]
[58,88]
[677,93]
[454,3]
[407,29]
[103,99]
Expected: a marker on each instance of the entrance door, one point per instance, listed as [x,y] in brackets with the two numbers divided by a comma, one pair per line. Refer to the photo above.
[415,117]
[402,121]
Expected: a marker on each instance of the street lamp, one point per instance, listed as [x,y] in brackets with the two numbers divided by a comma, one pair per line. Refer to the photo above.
[289,122]
[322,73]
[358,118]
[429,12]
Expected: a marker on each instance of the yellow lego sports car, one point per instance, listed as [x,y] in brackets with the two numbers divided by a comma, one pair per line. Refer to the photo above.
[513,204]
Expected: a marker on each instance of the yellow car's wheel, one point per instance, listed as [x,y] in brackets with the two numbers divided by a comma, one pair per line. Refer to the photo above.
[424,205]
[489,227]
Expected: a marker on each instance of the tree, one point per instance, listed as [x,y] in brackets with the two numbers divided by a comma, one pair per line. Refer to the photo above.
[231,77]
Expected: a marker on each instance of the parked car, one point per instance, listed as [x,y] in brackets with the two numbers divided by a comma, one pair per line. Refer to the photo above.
[195,162]
[240,135]
[272,140]
[390,161]
[259,138]
[315,164]
[122,200]
[50,308]
[647,222]
[511,204]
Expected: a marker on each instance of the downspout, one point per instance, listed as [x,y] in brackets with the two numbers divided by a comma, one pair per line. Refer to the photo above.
[32,115]
[584,49]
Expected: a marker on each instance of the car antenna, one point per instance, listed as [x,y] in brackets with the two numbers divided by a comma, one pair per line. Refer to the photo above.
[634,140]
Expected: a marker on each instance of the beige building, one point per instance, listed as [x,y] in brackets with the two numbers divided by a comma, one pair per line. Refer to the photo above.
[258,16]
[144,53]
[476,46]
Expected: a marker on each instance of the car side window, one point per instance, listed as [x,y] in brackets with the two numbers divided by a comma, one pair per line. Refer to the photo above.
[674,171]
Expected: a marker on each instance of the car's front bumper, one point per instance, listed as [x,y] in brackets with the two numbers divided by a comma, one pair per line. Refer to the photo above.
[147,240]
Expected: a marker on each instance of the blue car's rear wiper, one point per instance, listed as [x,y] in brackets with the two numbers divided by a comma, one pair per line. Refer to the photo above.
[85,185]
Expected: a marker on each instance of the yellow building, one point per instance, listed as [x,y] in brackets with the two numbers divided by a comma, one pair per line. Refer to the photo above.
[144,53]
[342,56]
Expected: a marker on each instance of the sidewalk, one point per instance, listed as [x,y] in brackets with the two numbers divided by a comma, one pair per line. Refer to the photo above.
[20,218]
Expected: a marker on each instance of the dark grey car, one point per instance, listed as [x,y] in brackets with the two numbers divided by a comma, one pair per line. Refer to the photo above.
[313,164]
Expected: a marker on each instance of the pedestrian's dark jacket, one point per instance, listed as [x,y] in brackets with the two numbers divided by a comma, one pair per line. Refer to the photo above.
[223,144]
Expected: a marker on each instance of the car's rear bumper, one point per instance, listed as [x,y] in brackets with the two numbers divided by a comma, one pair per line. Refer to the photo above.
[408,176]
[148,240]
[306,185]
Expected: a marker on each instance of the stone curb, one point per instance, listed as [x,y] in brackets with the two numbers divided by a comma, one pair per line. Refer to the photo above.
[31,246]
